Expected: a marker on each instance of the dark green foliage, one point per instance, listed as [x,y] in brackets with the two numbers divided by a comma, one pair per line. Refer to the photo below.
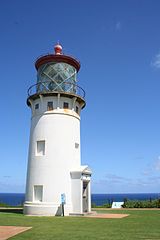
[142,204]
[93,205]
[4,204]
[106,205]
[133,204]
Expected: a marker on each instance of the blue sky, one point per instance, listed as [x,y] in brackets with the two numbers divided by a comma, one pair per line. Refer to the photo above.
[118,44]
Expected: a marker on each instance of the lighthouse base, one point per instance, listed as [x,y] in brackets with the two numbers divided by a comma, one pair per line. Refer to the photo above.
[45,209]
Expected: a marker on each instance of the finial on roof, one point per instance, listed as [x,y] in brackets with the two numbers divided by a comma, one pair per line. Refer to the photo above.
[58,49]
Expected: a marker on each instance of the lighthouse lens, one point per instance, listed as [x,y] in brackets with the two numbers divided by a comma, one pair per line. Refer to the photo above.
[59,77]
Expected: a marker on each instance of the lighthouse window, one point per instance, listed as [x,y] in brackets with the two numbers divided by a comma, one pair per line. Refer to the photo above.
[76,145]
[65,105]
[77,110]
[38,193]
[40,148]
[37,106]
[50,106]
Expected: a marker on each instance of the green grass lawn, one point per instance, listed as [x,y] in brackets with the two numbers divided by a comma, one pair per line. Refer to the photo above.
[140,224]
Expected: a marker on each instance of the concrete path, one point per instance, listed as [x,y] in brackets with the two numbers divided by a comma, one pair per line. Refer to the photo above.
[10,231]
[107,215]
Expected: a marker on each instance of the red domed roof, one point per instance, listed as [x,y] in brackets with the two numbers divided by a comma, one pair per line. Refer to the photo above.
[57,57]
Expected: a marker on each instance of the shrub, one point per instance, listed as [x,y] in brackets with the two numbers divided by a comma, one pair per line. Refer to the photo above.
[142,204]
[93,205]
[3,204]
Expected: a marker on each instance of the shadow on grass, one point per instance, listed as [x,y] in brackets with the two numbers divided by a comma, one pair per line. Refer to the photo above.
[12,210]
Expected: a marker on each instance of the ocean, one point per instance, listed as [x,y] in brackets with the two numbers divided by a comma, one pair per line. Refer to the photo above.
[15,199]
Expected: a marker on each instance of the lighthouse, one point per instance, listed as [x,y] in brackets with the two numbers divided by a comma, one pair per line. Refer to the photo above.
[56,182]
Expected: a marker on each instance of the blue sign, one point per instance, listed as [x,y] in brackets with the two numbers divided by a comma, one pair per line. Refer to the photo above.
[63,198]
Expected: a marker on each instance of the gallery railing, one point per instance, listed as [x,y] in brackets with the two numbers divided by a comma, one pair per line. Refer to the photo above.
[55,87]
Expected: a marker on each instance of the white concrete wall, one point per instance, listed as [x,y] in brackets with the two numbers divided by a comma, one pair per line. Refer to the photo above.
[77,200]
[60,129]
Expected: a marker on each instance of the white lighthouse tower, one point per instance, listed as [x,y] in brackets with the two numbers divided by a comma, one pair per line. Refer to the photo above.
[54,161]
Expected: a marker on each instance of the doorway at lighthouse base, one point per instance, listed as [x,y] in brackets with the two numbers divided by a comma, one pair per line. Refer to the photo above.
[81,190]
[77,198]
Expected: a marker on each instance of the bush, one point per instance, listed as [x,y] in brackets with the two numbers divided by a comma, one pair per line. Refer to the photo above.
[142,204]
[3,204]
[93,205]
[133,204]
[106,205]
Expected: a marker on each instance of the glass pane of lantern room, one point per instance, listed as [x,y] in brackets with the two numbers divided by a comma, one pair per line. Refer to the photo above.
[52,73]
[58,67]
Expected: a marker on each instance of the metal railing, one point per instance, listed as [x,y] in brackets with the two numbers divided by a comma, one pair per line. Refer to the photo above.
[52,87]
